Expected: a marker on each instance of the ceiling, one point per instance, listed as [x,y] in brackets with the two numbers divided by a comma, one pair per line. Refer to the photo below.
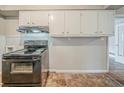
[13,10]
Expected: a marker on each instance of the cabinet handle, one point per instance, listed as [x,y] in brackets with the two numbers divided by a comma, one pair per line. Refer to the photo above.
[101,32]
[63,32]
[32,23]
[81,32]
[28,23]
[95,32]
[67,32]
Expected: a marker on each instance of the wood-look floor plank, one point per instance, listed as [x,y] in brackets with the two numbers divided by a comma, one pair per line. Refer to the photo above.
[116,70]
[80,80]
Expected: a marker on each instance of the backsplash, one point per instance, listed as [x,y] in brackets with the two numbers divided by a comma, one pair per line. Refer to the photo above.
[13,40]
[35,36]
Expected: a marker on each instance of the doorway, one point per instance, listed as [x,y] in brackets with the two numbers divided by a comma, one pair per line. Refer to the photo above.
[116,51]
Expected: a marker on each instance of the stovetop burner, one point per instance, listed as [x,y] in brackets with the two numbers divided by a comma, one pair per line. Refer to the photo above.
[24,53]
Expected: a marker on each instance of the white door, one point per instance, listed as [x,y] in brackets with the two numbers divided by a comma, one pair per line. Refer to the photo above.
[119,37]
[72,22]
[57,23]
[39,18]
[24,18]
[106,22]
[89,22]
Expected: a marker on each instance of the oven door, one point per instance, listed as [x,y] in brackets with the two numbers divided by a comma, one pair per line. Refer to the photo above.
[17,71]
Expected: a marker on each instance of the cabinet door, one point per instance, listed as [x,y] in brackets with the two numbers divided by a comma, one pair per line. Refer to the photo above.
[56,23]
[106,22]
[72,22]
[89,22]
[39,18]
[24,18]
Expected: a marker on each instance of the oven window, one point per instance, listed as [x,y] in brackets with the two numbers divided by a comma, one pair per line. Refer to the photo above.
[21,67]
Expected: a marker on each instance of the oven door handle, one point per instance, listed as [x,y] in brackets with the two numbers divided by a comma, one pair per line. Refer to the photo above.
[35,59]
[20,60]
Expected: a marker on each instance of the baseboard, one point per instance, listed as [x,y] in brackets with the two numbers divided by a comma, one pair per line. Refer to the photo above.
[79,71]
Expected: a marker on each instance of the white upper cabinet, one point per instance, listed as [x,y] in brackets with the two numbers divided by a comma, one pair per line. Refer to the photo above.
[33,18]
[57,23]
[39,18]
[64,23]
[82,23]
[72,22]
[89,22]
[24,18]
[106,22]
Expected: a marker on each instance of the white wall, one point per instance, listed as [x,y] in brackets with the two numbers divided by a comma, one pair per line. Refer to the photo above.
[8,35]
[2,50]
[78,54]
[112,46]
[2,26]
[2,40]
[12,36]
[10,27]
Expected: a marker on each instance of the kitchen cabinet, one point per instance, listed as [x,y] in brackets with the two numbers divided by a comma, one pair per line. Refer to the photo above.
[106,22]
[72,23]
[57,23]
[33,18]
[89,22]
[24,18]
[97,23]
[82,23]
[64,23]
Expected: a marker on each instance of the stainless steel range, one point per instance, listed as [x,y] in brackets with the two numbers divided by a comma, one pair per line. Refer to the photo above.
[28,66]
